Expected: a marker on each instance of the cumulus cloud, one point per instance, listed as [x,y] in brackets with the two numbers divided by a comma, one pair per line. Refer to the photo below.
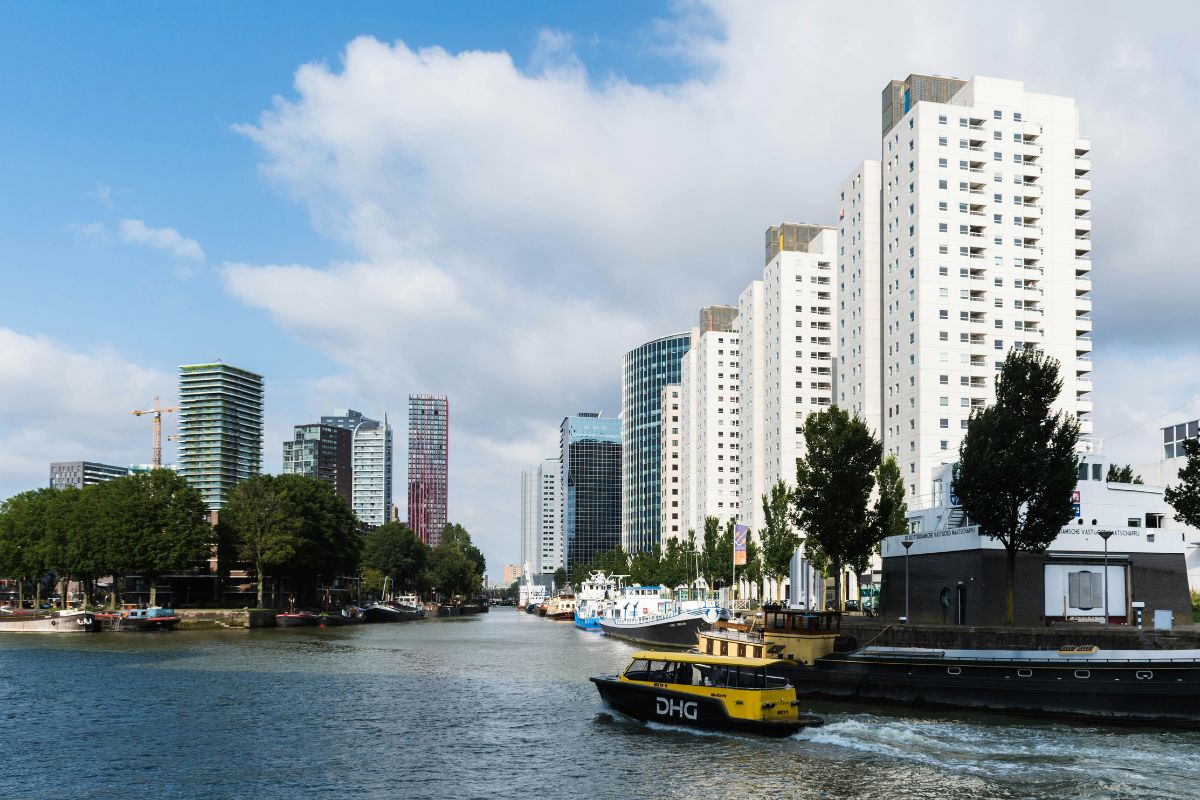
[64,404]
[135,231]
[516,231]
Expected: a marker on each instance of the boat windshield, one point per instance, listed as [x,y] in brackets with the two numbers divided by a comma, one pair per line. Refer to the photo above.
[704,675]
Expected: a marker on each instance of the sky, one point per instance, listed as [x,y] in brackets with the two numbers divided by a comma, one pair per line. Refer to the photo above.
[496,201]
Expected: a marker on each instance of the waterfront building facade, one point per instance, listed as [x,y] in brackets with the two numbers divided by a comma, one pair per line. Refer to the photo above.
[985,246]
[371,469]
[220,430]
[645,371]
[428,465]
[787,348]
[322,452]
[550,517]
[590,481]
[671,448]
[531,507]
[859,287]
[78,474]
[957,576]
[711,451]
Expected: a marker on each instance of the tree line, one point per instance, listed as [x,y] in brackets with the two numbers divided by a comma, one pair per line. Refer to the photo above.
[280,527]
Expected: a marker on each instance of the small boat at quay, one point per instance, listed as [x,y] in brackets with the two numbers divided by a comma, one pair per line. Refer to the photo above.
[295,619]
[394,612]
[723,693]
[69,621]
[561,607]
[596,595]
[132,618]
[1132,686]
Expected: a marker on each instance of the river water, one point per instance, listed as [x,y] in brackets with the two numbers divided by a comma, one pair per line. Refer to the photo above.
[493,706]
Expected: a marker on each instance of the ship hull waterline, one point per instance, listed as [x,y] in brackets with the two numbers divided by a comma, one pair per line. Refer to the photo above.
[673,632]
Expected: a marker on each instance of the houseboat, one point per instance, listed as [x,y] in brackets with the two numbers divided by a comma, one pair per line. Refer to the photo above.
[724,693]
[132,618]
[22,621]
[649,616]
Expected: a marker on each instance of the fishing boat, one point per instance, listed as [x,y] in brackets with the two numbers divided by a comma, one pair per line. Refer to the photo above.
[69,621]
[724,693]
[1142,686]
[132,618]
[409,604]
[295,619]
[596,596]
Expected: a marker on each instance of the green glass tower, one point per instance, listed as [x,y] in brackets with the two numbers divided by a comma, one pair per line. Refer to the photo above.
[220,428]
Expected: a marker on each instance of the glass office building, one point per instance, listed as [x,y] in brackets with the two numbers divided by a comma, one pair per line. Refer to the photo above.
[646,370]
[590,464]
[220,428]
[322,452]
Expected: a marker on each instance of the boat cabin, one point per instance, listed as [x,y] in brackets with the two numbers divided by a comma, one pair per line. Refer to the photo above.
[792,634]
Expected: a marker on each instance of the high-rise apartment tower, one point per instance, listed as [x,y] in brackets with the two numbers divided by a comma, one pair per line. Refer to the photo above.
[428,460]
[220,428]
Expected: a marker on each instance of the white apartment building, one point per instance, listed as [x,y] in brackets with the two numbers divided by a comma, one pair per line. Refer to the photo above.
[371,468]
[550,540]
[711,435]
[670,473]
[985,245]
[859,317]
[785,329]
[531,519]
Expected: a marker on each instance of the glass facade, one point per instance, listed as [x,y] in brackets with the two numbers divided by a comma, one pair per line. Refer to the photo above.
[590,460]
[646,370]
[79,474]
[323,452]
[428,462]
[220,428]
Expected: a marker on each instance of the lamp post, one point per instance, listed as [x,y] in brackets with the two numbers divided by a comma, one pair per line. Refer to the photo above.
[1104,535]
[907,544]
[803,576]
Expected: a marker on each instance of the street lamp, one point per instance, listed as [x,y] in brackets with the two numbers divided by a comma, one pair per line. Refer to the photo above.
[1104,535]
[803,576]
[907,545]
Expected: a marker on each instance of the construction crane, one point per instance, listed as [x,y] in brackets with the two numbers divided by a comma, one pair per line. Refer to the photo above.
[157,411]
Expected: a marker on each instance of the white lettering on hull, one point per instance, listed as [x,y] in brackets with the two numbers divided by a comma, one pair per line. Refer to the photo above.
[684,709]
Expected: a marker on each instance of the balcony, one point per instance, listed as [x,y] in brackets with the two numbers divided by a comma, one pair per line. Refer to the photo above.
[978,318]
[1082,286]
[1082,186]
[1083,384]
[1030,130]
[1083,406]
[1083,146]
[978,361]
[1082,166]
[1082,226]
[1082,206]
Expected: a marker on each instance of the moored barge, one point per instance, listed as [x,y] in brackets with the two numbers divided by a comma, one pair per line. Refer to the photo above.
[1143,686]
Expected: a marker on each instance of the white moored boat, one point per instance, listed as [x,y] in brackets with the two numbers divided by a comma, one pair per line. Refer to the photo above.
[49,622]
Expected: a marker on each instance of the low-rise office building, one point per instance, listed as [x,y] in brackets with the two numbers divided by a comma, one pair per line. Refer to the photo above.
[952,574]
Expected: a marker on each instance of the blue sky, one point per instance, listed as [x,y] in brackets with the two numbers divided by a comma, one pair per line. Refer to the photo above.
[495,201]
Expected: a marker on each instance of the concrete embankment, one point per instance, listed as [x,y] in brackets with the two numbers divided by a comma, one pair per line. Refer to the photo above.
[867,630]
[201,618]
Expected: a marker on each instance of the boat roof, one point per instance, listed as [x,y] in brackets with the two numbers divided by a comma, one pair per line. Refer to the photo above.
[702,658]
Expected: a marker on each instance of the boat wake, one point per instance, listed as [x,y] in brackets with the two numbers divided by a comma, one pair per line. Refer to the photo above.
[1053,754]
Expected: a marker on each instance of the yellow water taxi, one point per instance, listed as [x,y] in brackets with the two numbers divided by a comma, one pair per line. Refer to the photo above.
[724,693]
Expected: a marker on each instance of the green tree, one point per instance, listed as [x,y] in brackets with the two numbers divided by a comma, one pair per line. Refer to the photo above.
[1017,463]
[1184,496]
[454,532]
[395,551]
[674,567]
[266,529]
[23,530]
[708,550]
[1123,474]
[753,570]
[723,554]
[834,481]
[560,577]
[779,540]
[889,517]
[157,525]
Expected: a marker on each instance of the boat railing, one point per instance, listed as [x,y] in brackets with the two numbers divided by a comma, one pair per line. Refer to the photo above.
[750,637]
[1048,659]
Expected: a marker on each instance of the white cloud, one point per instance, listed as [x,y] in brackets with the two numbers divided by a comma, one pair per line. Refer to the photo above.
[517,231]
[94,232]
[135,231]
[61,404]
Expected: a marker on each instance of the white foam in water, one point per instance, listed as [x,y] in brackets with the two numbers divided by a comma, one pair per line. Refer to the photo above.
[1115,758]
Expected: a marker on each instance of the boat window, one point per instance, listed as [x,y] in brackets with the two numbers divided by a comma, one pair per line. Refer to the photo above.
[637,670]
[661,672]
[775,681]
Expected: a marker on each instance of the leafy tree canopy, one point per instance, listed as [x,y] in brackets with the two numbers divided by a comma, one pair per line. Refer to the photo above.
[1184,496]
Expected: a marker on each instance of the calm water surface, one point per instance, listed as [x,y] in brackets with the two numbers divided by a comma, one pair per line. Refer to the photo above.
[486,707]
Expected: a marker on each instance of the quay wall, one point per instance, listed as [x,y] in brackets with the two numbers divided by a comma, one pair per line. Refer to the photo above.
[201,618]
[867,630]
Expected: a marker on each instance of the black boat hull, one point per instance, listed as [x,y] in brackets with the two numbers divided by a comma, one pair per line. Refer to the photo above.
[1143,692]
[294,621]
[379,613]
[656,704]
[673,632]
